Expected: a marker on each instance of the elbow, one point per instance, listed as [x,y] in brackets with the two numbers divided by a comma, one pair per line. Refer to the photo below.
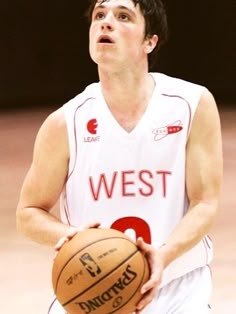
[210,212]
[205,212]
[211,209]
[213,212]
[21,221]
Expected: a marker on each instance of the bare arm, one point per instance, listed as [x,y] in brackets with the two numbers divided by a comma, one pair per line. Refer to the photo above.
[44,182]
[203,182]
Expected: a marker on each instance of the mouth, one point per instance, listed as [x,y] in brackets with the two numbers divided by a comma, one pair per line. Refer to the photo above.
[104,39]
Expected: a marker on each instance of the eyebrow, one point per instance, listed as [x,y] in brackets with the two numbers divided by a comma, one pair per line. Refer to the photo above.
[119,7]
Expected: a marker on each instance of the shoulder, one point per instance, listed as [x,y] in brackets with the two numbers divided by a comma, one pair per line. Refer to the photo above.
[169,82]
[195,96]
[54,123]
[52,135]
[206,121]
[173,86]
[91,91]
[207,112]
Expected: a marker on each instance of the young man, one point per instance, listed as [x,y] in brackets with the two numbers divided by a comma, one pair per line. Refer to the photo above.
[138,151]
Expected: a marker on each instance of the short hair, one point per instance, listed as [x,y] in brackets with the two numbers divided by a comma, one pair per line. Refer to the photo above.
[154,13]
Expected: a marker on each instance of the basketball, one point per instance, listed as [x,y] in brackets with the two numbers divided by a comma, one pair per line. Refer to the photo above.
[99,271]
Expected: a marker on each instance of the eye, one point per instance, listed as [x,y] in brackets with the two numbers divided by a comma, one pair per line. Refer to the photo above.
[99,16]
[124,17]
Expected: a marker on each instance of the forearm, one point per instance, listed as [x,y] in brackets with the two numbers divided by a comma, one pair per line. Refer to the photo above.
[193,227]
[40,226]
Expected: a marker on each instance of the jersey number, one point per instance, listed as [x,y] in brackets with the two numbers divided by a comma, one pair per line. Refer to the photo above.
[138,225]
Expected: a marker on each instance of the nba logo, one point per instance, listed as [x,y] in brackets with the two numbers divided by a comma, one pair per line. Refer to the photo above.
[90,264]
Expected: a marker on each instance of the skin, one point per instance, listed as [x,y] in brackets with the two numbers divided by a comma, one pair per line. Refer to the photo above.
[123,64]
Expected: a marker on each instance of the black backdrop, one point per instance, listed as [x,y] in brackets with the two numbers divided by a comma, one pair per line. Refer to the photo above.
[44,49]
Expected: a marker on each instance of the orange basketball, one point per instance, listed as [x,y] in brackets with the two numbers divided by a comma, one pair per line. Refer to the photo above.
[99,271]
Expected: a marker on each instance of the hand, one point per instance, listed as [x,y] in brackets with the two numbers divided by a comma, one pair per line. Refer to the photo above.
[150,288]
[73,231]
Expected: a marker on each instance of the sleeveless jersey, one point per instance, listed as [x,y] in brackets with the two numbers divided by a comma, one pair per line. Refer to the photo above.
[133,181]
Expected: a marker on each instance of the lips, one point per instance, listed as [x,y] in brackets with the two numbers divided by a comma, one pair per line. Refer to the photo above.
[105,39]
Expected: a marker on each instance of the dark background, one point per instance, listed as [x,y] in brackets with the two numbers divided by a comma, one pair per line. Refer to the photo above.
[44,50]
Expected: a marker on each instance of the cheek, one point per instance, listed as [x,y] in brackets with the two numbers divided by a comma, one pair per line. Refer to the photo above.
[133,37]
[91,38]
[92,32]
[134,44]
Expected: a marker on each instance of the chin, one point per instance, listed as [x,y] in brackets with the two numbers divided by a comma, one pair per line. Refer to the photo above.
[103,60]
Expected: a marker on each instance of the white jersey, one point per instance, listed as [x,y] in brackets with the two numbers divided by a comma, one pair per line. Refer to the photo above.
[133,181]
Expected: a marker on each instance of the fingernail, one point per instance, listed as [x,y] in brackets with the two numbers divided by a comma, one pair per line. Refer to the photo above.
[140,306]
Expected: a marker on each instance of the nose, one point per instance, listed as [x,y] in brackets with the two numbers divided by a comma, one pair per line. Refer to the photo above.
[107,26]
[108,22]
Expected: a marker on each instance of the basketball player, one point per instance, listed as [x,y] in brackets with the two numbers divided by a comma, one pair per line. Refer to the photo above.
[139,152]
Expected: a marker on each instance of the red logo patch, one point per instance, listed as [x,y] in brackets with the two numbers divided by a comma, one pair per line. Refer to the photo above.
[164,131]
[92,126]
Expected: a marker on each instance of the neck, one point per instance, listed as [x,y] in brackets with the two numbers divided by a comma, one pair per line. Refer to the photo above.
[126,91]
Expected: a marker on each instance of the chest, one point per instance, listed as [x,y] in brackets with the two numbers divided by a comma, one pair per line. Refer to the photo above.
[128,119]
[127,122]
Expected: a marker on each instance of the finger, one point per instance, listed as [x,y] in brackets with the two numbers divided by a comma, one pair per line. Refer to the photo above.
[73,231]
[153,282]
[90,225]
[55,255]
[147,299]
[94,225]
[143,246]
[60,243]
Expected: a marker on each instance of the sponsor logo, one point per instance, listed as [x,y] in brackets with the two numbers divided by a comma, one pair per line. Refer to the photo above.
[173,128]
[90,265]
[74,277]
[92,127]
[111,294]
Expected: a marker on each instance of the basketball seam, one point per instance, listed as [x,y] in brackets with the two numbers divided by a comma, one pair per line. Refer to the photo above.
[141,281]
[102,239]
[95,283]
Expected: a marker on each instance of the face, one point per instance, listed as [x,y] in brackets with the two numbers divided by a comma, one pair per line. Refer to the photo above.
[117,34]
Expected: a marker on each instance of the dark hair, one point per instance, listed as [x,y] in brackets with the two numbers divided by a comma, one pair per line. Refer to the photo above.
[155,22]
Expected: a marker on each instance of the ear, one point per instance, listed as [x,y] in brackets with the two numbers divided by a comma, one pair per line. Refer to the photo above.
[150,43]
